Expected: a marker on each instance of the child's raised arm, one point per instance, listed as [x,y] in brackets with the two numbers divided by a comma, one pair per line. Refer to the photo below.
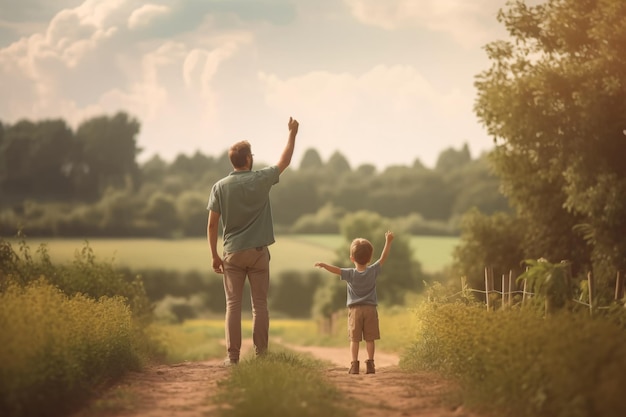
[388,239]
[330,268]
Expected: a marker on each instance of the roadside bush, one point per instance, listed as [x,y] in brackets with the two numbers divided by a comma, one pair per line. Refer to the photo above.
[518,363]
[66,330]
[85,275]
[55,349]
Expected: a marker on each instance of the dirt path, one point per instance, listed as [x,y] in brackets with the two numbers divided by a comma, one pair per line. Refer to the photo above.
[183,390]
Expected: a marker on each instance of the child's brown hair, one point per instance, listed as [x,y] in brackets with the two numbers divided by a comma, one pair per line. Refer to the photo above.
[361,251]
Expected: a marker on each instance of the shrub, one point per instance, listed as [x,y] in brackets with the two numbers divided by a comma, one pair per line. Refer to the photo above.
[518,363]
[54,349]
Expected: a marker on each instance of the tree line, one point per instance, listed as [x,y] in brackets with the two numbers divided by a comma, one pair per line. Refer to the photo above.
[55,181]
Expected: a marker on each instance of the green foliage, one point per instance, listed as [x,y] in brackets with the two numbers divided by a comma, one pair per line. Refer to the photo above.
[55,349]
[89,184]
[548,281]
[85,275]
[66,329]
[292,293]
[488,241]
[191,340]
[279,384]
[108,150]
[451,159]
[513,362]
[324,221]
[329,298]
[554,101]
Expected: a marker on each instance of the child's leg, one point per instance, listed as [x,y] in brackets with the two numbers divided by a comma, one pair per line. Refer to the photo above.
[371,347]
[354,349]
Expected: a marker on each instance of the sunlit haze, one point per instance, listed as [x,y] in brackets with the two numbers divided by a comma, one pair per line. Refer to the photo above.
[382,82]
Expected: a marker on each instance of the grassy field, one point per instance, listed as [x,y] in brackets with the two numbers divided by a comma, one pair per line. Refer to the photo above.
[290,252]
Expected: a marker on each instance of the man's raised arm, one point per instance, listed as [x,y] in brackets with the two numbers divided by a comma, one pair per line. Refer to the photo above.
[285,158]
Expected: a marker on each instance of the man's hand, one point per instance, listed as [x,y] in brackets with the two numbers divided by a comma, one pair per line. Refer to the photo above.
[218,265]
[285,157]
[293,126]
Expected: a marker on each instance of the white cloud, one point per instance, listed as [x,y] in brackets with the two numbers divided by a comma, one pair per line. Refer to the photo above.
[469,23]
[142,16]
[385,109]
[206,76]
[44,72]
[395,88]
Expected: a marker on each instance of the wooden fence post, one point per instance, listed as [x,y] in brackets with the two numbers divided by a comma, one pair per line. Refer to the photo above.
[488,285]
[619,286]
[591,284]
[464,286]
[524,296]
[511,285]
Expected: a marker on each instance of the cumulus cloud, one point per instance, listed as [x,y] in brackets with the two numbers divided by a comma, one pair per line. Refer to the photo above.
[469,23]
[381,108]
[197,74]
[82,65]
[142,16]
[394,89]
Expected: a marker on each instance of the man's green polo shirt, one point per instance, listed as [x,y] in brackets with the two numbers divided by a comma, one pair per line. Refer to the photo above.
[242,199]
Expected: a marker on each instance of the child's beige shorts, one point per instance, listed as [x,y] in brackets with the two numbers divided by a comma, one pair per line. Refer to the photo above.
[363,323]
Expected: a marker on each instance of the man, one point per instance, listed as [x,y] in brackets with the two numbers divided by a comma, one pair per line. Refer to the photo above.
[241,201]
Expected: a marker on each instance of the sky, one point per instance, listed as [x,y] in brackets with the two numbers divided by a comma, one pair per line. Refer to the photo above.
[382,82]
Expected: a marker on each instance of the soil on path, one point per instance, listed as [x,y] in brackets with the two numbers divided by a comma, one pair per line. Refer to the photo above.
[184,390]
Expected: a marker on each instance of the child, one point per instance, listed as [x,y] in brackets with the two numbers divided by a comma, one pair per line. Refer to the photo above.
[362,300]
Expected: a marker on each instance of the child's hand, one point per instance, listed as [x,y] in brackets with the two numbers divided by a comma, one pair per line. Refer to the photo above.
[319,264]
[388,236]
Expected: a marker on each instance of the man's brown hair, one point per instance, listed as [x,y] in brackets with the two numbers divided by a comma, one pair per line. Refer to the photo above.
[238,153]
[361,250]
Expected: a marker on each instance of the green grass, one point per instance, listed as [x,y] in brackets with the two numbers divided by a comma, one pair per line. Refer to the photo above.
[281,384]
[290,252]
[193,340]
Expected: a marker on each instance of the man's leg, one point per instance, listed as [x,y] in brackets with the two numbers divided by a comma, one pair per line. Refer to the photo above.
[234,279]
[259,276]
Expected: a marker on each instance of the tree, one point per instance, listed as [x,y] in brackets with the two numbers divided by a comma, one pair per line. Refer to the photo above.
[488,241]
[311,160]
[337,164]
[36,160]
[451,159]
[109,151]
[554,100]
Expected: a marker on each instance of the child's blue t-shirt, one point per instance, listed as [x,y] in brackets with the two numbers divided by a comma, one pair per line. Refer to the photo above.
[361,285]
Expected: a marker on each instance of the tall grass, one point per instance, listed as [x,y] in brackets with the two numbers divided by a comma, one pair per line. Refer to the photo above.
[65,331]
[280,384]
[55,349]
[516,362]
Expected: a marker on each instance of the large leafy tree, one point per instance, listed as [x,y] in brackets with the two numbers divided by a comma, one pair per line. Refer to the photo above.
[109,151]
[554,99]
[36,160]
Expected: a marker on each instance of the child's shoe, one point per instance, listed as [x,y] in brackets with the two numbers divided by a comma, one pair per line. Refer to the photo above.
[370,366]
[354,367]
